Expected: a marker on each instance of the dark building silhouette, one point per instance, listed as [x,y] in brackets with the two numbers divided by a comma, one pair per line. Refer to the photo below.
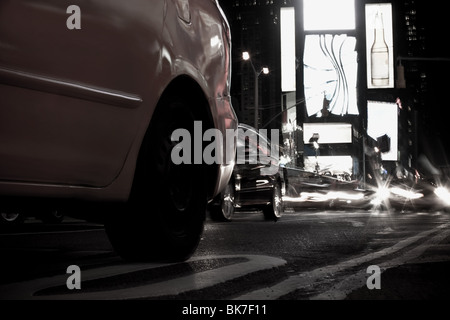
[423,28]
[255,28]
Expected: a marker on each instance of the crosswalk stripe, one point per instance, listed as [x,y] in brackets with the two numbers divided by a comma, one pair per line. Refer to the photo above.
[358,280]
[196,281]
[307,279]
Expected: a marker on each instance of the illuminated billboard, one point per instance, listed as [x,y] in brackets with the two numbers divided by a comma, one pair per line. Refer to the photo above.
[327,15]
[379,46]
[382,121]
[288,60]
[328,133]
[330,68]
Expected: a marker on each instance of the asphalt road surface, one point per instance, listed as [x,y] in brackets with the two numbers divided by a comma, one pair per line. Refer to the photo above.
[306,255]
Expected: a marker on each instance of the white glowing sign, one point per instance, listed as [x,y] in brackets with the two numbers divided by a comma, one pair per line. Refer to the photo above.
[382,119]
[328,15]
[288,61]
[330,66]
[329,133]
[379,46]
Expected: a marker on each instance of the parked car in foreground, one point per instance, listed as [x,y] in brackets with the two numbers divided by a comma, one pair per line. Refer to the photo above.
[254,184]
[87,114]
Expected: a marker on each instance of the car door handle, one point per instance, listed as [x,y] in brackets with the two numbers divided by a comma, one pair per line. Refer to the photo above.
[183,10]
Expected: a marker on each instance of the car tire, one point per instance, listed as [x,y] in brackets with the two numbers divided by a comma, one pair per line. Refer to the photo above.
[274,210]
[223,208]
[164,217]
[11,219]
[52,217]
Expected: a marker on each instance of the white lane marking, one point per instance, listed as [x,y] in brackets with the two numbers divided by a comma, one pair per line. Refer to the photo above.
[340,290]
[308,279]
[196,281]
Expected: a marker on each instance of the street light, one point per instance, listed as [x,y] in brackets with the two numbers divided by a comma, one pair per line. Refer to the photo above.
[264,70]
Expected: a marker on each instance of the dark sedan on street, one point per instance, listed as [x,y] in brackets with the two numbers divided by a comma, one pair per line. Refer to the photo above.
[258,180]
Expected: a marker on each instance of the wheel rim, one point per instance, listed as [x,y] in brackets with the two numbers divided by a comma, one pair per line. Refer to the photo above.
[277,202]
[228,202]
[10,217]
[57,214]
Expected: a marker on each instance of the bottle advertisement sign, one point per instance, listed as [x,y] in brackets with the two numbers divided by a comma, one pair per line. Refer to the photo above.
[380,48]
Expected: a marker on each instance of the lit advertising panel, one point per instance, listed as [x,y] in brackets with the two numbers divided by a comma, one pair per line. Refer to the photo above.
[288,60]
[382,119]
[330,66]
[327,15]
[379,46]
[329,133]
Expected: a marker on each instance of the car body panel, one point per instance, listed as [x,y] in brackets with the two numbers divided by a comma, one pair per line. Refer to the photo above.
[76,104]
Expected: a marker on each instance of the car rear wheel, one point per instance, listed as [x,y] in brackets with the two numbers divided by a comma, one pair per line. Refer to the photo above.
[11,218]
[274,210]
[165,214]
[52,217]
[223,208]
